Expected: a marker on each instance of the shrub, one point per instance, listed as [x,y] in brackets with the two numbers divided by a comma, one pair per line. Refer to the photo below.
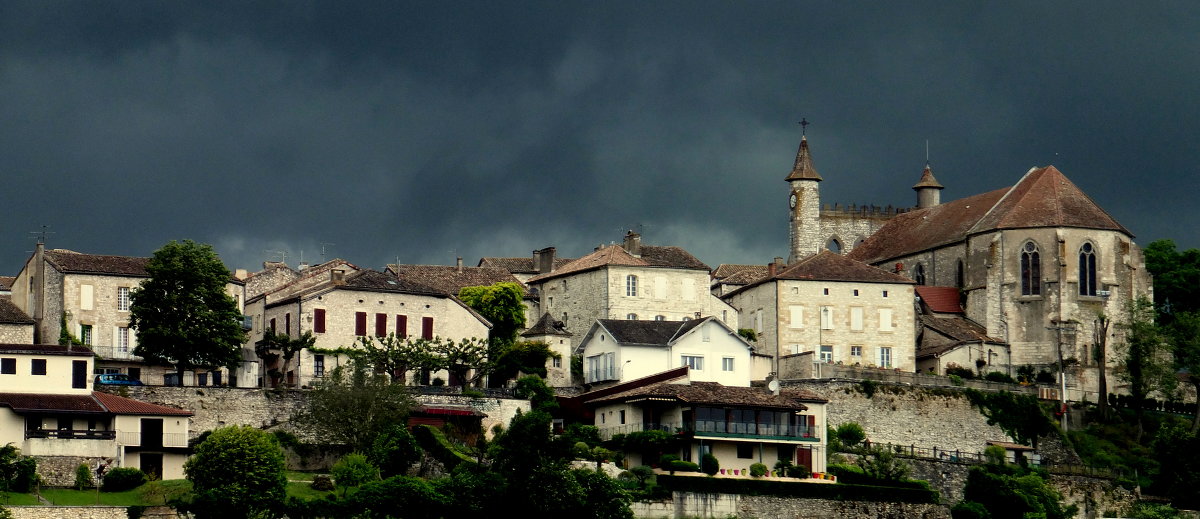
[435,443]
[123,478]
[956,380]
[394,451]
[758,470]
[769,487]
[665,460]
[709,464]
[415,496]
[868,387]
[642,473]
[683,466]
[969,510]
[850,434]
[581,451]
[790,470]
[353,470]
[83,477]
[964,372]
[999,376]
[322,482]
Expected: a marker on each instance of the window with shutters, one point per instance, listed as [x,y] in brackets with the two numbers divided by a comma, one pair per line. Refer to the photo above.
[319,320]
[856,318]
[401,326]
[885,319]
[826,318]
[920,274]
[86,297]
[885,357]
[381,325]
[796,319]
[85,334]
[427,328]
[360,324]
[122,299]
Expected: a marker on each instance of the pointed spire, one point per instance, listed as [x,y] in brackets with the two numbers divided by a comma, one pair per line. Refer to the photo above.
[803,169]
[927,179]
[928,189]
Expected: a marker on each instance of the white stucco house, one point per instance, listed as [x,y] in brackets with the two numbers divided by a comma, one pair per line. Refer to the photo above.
[49,410]
[616,350]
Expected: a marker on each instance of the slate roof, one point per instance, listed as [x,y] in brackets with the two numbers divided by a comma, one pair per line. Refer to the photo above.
[654,333]
[519,265]
[940,299]
[10,314]
[830,266]
[47,349]
[616,255]
[803,168]
[6,282]
[364,279]
[450,279]
[1044,197]
[121,405]
[547,325]
[958,330]
[69,261]
[716,394]
[726,271]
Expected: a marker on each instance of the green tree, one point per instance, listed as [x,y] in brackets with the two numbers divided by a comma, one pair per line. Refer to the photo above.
[286,346]
[353,470]
[1145,362]
[396,355]
[502,305]
[460,357]
[1018,415]
[353,406]
[182,314]
[541,397]
[528,357]
[236,472]
[1176,278]
[882,464]
[1175,449]
[1007,492]
[1185,334]
[394,451]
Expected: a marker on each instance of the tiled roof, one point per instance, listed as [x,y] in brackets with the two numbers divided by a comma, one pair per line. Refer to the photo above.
[954,331]
[803,168]
[33,402]
[727,270]
[927,180]
[651,256]
[698,393]
[10,314]
[657,333]
[367,279]
[121,405]
[47,349]
[830,266]
[519,265]
[547,325]
[450,279]
[940,299]
[1044,197]
[6,282]
[78,263]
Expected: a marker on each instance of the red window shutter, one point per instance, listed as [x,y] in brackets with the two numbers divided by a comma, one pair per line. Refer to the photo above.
[401,326]
[360,323]
[319,320]
[426,327]
[381,325]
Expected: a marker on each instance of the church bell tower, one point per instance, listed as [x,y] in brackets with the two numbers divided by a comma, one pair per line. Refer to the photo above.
[804,205]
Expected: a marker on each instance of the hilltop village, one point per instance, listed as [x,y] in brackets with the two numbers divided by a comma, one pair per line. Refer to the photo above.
[747,359]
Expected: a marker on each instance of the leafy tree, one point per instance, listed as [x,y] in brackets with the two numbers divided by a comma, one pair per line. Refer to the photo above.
[1007,492]
[883,464]
[182,314]
[287,346]
[850,434]
[502,305]
[1175,449]
[353,470]
[528,357]
[395,355]
[460,357]
[541,397]
[1185,333]
[417,498]
[1176,278]
[353,406]
[1018,415]
[1144,360]
[394,451]
[17,473]
[83,477]
[236,472]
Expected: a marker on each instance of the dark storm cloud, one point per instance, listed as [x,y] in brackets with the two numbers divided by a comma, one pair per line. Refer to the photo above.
[423,131]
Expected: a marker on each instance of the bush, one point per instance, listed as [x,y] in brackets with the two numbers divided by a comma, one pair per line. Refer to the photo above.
[394,451]
[581,451]
[969,510]
[123,478]
[963,372]
[83,477]
[758,470]
[416,497]
[769,487]
[956,380]
[790,470]
[850,434]
[665,460]
[322,482]
[683,466]
[435,443]
[999,376]
[709,464]
[353,470]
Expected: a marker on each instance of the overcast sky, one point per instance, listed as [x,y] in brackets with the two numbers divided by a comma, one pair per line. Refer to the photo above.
[425,131]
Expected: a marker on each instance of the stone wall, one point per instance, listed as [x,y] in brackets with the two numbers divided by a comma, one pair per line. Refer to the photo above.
[905,415]
[69,512]
[691,504]
[59,471]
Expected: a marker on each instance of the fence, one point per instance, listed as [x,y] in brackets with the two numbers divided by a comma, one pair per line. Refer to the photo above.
[489,392]
[974,458]
[834,371]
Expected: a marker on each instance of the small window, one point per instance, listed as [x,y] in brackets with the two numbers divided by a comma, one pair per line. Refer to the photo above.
[401,326]
[122,299]
[885,357]
[631,317]
[727,364]
[123,339]
[360,323]
[920,274]
[885,293]
[826,354]
[856,292]
[695,362]
[8,366]
[826,291]
[621,416]
[631,285]
[856,351]
[660,318]
[38,367]
[318,365]
[745,451]
[381,325]
[556,362]
[427,328]
[85,334]
[319,320]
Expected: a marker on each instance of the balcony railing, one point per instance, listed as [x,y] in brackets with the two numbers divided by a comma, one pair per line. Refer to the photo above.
[137,439]
[721,429]
[600,375]
[113,352]
[71,434]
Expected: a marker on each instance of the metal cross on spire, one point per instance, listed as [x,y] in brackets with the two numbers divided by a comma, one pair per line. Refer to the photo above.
[803,126]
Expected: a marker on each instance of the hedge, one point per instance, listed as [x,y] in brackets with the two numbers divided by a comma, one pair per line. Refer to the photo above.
[435,443]
[837,491]
[854,476]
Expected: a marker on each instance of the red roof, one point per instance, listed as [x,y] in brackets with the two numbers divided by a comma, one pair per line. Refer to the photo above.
[121,405]
[940,299]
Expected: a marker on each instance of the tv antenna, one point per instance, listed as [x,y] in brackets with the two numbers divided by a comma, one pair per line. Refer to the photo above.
[282,254]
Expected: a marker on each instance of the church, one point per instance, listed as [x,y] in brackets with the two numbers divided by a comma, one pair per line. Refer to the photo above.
[1034,265]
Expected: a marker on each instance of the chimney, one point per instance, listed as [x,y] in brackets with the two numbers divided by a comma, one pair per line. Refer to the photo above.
[303,265]
[459,263]
[543,260]
[775,266]
[633,243]
[41,332]
[337,276]
[241,274]
[771,269]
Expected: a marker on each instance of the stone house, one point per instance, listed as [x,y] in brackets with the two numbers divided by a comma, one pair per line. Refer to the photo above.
[617,351]
[552,332]
[740,426]
[15,326]
[831,309]
[343,306]
[542,261]
[946,337]
[1036,263]
[628,281]
[451,279]
[89,294]
[49,410]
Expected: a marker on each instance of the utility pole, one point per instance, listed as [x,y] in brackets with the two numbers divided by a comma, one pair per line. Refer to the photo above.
[1062,326]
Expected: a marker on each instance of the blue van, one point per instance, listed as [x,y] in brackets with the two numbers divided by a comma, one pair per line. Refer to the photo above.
[116,379]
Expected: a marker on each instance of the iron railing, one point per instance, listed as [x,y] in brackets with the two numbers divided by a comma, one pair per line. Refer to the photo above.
[71,434]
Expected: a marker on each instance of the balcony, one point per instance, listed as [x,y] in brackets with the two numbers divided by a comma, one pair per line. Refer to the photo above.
[71,434]
[754,430]
[149,441]
[115,353]
[68,442]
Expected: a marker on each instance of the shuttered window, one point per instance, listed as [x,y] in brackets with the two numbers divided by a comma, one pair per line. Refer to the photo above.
[402,326]
[360,323]
[319,320]
[426,327]
[381,325]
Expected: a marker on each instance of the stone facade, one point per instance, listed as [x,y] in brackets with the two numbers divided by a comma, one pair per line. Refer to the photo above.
[849,225]
[16,334]
[692,504]
[74,512]
[805,230]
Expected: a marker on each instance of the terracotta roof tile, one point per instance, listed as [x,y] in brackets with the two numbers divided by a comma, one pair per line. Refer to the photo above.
[927,180]
[727,270]
[47,349]
[1046,198]
[924,229]
[519,265]
[78,263]
[6,282]
[121,405]
[940,299]
[670,256]
[35,402]
[951,332]
[714,393]
[651,256]
[10,314]
[450,279]
[829,266]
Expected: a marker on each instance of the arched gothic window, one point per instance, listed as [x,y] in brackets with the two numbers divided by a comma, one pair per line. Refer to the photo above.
[834,246]
[1031,270]
[1087,270]
[920,274]
[631,285]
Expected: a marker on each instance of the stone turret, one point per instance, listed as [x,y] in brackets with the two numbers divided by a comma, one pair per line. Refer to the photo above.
[804,206]
[929,191]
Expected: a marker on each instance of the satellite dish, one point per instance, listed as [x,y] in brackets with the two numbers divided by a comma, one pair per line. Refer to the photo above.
[773,385]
